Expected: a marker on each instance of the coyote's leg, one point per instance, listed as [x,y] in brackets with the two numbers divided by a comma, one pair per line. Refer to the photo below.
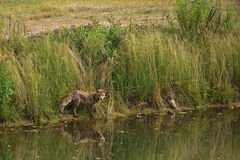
[65,102]
[75,105]
[62,108]
[91,110]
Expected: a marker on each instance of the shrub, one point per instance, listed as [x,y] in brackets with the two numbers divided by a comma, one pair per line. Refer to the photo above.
[7,91]
[198,16]
[115,34]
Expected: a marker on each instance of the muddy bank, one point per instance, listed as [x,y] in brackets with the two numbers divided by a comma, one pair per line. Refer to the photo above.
[57,119]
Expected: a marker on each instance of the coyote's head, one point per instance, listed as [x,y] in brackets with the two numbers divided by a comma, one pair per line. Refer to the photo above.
[101,93]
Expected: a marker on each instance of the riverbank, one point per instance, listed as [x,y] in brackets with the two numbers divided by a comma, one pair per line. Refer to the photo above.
[142,67]
[55,120]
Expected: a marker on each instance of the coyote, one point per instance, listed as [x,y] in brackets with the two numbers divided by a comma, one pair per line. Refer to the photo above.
[79,97]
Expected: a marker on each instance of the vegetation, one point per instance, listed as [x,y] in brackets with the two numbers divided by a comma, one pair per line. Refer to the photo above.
[7,90]
[196,61]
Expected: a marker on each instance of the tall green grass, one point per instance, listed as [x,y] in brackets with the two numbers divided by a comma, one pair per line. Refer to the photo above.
[150,62]
[203,16]
[134,65]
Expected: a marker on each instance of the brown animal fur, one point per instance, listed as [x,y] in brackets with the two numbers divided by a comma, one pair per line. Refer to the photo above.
[79,97]
[169,101]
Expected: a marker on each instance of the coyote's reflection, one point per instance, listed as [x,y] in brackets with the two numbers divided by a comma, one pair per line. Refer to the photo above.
[75,133]
[88,137]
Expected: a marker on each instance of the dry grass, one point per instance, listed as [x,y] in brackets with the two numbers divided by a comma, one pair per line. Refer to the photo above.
[44,15]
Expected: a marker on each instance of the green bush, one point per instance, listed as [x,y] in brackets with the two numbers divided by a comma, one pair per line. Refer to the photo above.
[7,91]
[198,16]
[115,34]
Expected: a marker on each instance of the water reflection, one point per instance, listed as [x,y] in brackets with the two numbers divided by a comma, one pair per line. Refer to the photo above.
[76,135]
[192,136]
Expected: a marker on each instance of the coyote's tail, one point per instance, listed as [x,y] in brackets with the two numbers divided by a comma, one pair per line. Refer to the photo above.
[66,100]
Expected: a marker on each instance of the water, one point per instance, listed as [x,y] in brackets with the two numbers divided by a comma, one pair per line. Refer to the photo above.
[213,135]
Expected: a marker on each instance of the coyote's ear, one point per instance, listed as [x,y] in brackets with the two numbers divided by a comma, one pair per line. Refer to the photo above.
[100,91]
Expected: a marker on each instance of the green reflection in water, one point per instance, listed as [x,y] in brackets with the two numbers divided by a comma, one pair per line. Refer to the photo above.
[193,136]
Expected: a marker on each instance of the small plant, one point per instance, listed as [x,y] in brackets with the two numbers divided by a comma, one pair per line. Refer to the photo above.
[192,15]
[223,94]
[95,43]
[7,91]
[115,33]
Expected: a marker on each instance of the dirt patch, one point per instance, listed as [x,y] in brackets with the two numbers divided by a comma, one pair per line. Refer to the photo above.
[93,9]
[82,15]
[3,1]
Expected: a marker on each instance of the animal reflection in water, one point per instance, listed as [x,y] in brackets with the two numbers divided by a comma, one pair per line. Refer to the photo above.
[87,137]
[74,134]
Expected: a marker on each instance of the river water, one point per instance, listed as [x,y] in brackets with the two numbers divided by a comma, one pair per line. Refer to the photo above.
[201,135]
